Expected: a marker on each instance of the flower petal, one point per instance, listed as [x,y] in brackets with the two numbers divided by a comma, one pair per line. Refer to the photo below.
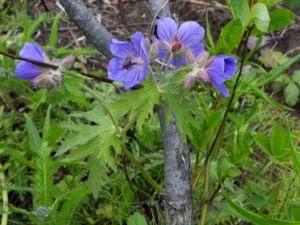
[222,88]
[114,66]
[163,53]
[129,77]
[190,33]
[216,70]
[138,41]
[230,66]
[121,48]
[166,29]
[197,49]
[178,60]
[132,77]
[25,70]
[32,51]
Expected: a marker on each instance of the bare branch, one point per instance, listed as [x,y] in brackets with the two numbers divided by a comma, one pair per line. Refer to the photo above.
[177,168]
[159,8]
[95,32]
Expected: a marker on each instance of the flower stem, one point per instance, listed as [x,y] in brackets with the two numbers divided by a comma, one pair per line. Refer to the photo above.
[124,148]
[44,64]
[205,191]
[218,137]
[5,208]
[142,170]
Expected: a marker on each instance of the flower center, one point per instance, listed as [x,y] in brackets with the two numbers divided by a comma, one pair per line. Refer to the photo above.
[176,46]
[203,75]
[139,61]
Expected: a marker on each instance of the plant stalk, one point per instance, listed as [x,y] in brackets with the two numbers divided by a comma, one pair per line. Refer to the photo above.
[5,208]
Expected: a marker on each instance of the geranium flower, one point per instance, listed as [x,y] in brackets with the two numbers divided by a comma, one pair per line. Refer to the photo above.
[215,70]
[26,70]
[38,75]
[131,66]
[221,68]
[177,46]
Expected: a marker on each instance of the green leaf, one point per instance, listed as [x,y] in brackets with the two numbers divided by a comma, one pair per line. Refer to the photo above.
[280,18]
[82,151]
[240,10]
[136,219]
[274,73]
[272,58]
[65,215]
[39,97]
[47,124]
[278,139]
[72,84]
[296,76]
[208,33]
[291,93]
[35,141]
[52,42]
[295,153]
[260,17]
[269,2]
[84,134]
[97,176]
[294,5]
[256,218]
[138,103]
[263,142]
[244,144]
[44,189]
[265,96]
[230,36]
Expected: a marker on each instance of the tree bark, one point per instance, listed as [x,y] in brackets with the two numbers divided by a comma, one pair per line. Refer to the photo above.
[177,168]
[159,8]
[93,29]
[177,173]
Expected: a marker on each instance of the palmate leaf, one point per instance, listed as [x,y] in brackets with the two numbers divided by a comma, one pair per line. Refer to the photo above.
[182,106]
[138,103]
[86,139]
[97,175]
[256,218]
[82,135]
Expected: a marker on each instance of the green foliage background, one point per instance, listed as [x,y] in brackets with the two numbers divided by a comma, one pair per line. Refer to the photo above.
[63,157]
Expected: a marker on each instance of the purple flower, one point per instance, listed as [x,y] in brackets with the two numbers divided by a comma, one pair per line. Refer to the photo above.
[216,70]
[40,76]
[177,45]
[26,70]
[221,68]
[131,66]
